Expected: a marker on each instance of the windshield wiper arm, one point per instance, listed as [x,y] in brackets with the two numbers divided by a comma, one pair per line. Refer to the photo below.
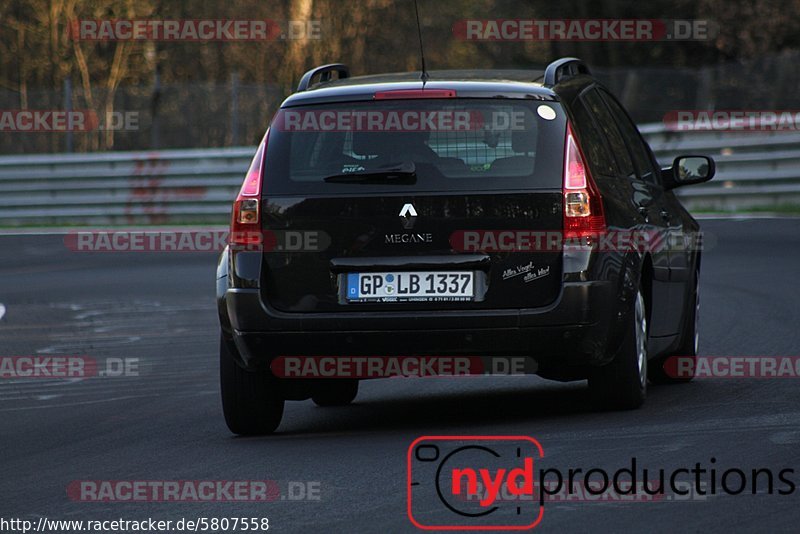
[402,173]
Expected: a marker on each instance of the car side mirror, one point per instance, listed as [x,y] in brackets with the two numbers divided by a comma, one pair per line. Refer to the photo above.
[687,170]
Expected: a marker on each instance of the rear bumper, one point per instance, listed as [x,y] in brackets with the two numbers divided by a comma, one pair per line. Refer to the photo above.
[571,333]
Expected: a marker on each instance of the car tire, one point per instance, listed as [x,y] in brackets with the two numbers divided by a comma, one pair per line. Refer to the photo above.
[249,400]
[336,393]
[690,345]
[622,384]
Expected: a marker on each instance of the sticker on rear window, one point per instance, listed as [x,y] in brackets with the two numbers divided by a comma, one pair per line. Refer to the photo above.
[546,112]
[351,168]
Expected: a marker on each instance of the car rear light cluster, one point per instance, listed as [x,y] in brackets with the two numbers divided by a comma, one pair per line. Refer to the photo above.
[583,205]
[246,220]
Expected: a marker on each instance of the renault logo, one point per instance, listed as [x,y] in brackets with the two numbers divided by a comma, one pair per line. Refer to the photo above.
[408,215]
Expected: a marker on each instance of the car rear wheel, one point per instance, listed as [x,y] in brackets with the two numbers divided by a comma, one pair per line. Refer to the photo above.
[336,393]
[249,401]
[690,345]
[622,384]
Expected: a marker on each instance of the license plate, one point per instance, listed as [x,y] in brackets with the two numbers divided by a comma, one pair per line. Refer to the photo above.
[429,286]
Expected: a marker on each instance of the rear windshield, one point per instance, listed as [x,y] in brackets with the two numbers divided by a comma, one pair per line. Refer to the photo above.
[448,145]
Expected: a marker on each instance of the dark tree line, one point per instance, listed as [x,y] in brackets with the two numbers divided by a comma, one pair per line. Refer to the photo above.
[37,53]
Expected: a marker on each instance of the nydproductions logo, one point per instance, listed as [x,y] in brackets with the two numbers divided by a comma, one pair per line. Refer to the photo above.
[492,482]
[444,472]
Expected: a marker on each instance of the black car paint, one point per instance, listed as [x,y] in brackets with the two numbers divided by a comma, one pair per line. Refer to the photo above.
[568,332]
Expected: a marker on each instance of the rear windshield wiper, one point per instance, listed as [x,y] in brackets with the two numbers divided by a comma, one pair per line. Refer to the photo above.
[404,173]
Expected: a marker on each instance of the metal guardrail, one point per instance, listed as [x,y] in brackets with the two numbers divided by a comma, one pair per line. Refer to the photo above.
[171,186]
[754,169]
[198,186]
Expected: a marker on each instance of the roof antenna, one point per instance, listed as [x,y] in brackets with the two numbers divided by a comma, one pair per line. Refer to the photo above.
[424,76]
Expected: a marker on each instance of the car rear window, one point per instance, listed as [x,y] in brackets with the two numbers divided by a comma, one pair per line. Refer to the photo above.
[453,144]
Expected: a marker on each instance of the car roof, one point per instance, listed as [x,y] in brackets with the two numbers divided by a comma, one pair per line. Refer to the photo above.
[507,83]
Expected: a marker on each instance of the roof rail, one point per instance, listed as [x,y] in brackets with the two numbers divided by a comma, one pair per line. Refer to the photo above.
[564,67]
[324,73]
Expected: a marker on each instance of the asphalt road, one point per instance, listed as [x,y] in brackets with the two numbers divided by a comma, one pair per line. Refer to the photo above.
[166,423]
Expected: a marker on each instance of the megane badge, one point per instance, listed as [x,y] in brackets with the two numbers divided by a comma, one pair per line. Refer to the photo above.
[408,215]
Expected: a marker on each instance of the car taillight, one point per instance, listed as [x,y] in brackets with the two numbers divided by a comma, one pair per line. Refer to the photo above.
[246,220]
[583,205]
